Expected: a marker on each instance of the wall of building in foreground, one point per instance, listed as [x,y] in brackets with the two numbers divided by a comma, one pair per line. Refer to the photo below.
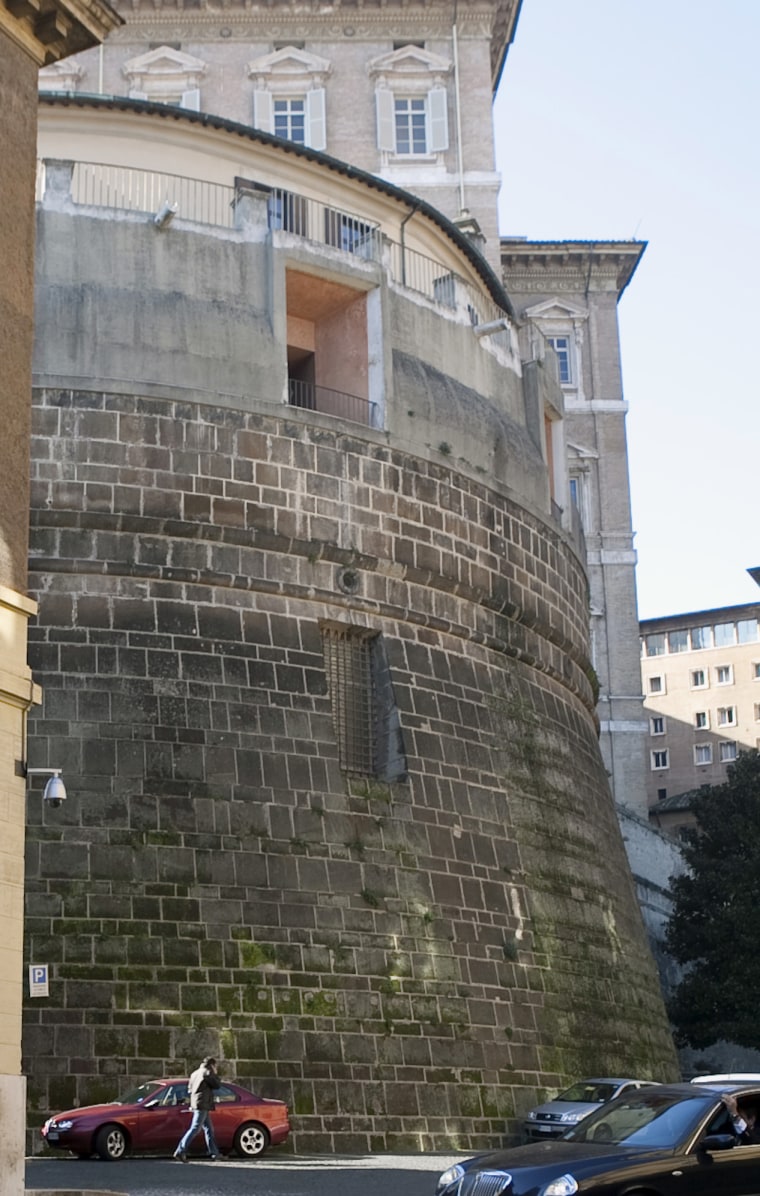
[407,947]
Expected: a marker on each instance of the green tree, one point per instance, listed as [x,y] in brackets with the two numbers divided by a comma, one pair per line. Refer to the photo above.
[713,931]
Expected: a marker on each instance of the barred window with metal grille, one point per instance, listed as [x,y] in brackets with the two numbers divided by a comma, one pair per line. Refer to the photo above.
[364,711]
[348,660]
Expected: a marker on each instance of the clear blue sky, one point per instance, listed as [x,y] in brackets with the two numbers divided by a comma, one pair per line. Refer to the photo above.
[640,118]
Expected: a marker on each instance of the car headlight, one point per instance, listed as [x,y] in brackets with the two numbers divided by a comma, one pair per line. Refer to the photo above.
[572,1118]
[452,1176]
[532,1115]
[63,1125]
[564,1186]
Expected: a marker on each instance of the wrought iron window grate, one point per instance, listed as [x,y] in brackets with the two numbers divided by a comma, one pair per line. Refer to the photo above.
[348,661]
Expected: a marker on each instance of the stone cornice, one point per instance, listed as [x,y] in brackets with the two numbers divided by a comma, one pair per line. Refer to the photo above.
[272,20]
[564,266]
[49,30]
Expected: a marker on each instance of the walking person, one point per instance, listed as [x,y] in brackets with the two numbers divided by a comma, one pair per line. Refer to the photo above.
[201,1087]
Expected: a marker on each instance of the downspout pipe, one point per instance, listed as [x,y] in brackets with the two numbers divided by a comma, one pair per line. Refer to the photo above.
[402,240]
[458,107]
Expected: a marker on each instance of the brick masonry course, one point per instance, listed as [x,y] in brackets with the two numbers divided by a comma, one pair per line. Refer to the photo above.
[405,963]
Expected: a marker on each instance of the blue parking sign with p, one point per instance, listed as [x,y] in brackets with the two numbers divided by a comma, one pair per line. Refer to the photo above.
[38,980]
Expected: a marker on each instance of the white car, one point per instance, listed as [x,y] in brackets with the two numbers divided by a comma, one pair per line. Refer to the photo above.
[738,1077]
[555,1117]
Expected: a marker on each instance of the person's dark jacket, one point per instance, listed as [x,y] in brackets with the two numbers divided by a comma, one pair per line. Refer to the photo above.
[201,1087]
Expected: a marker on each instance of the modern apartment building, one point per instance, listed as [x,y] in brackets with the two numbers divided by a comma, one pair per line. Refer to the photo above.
[701,680]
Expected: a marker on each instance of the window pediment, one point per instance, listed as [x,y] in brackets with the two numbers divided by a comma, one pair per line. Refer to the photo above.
[289,67]
[556,309]
[164,69]
[411,64]
[60,76]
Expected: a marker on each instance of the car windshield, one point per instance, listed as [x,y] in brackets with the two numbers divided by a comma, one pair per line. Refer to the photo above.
[139,1095]
[589,1092]
[650,1121]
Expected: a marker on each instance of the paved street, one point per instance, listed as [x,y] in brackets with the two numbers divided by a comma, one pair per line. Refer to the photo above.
[374,1175]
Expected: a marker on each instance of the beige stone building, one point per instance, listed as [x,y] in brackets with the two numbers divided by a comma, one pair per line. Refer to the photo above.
[314,594]
[406,93]
[701,679]
[31,35]
[566,295]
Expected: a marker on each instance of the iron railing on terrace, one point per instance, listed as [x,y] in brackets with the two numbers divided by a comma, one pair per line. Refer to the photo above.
[130,189]
[309,397]
[426,276]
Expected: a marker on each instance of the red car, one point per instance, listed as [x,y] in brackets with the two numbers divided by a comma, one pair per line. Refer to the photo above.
[153,1117]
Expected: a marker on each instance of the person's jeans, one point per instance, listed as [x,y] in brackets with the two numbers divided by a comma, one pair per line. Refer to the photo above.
[201,1120]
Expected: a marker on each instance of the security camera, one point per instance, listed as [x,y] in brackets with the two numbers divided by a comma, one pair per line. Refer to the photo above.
[165,214]
[55,790]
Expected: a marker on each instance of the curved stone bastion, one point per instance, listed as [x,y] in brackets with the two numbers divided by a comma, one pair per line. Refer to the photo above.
[313,641]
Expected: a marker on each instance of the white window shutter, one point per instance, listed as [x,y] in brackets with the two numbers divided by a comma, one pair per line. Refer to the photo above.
[386,120]
[437,120]
[192,99]
[316,125]
[137,95]
[263,111]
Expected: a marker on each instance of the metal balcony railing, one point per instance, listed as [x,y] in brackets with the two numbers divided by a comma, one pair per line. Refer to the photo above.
[316,221]
[127,189]
[130,189]
[416,272]
[330,402]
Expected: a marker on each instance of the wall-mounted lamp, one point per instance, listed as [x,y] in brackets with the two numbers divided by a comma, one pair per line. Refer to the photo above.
[165,214]
[55,790]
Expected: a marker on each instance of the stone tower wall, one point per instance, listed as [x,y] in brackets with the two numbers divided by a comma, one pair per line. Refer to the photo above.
[407,962]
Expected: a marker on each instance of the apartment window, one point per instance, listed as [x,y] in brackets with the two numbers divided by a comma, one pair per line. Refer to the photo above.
[678,641]
[661,793]
[724,674]
[657,685]
[561,346]
[702,753]
[757,712]
[654,645]
[289,118]
[411,101]
[698,679]
[364,711]
[724,635]
[660,759]
[350,234]
[727,751]
[726,716]
[289,94]
[701,720]
[756,670]
[746,631]
[411,125]
[701,637]
[657,725]
[300,119]
[288,212]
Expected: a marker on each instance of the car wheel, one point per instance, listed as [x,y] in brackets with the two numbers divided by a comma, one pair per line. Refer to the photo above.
[111,1143]
[251,1140]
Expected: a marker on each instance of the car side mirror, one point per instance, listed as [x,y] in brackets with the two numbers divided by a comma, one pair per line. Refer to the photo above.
[718,1142]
